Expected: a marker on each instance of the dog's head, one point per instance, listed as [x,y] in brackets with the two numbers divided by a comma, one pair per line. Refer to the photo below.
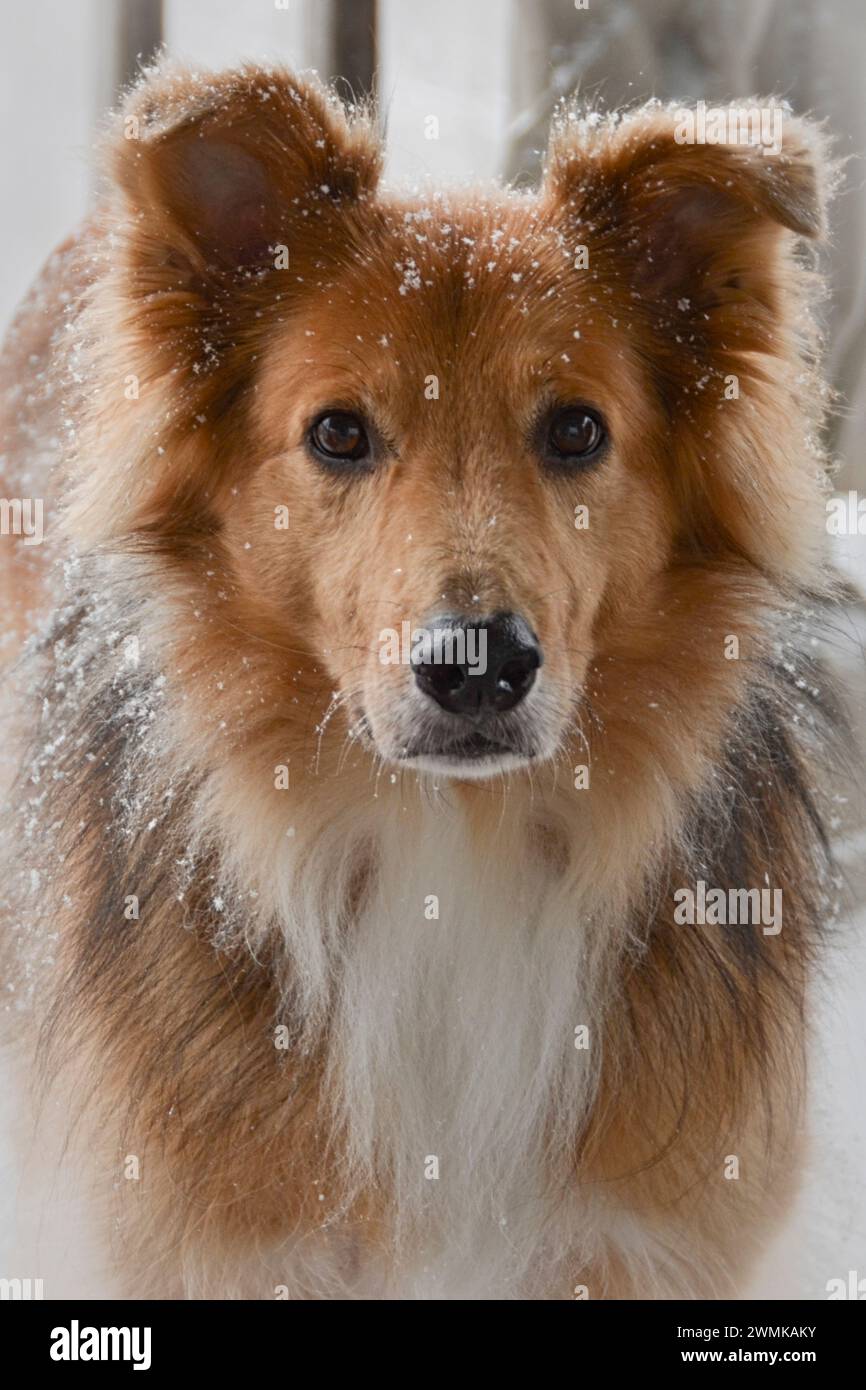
[445,446]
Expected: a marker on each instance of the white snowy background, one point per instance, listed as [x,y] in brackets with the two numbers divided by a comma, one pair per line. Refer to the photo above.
[59,72]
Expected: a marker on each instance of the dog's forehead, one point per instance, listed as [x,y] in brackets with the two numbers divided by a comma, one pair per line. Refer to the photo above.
[468,299]
[472,241]
[468,276]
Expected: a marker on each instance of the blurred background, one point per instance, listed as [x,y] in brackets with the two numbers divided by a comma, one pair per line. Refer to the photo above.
[490,72]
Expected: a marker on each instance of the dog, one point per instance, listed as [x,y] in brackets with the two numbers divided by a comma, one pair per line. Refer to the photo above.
[416,863]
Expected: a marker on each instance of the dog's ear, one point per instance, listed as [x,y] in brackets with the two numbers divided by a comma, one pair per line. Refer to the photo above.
[702,243]
[700,223]
[225,190]
[217,169]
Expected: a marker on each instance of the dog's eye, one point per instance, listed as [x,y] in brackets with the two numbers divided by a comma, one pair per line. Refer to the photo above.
[575,435]
[340,437]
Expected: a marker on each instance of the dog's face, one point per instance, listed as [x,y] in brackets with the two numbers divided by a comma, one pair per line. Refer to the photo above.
[461,429]
[457,441]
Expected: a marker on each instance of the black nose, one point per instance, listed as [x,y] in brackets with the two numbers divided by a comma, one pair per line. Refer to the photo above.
[474,666]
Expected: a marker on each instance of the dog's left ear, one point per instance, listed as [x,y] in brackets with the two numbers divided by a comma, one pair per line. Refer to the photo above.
[704,241]
[702,224]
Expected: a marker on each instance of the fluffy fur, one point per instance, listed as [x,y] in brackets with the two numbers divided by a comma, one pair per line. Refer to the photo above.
[284,1038]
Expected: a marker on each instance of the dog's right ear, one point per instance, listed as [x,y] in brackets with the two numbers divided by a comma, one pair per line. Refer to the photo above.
[227,190]
[216,169]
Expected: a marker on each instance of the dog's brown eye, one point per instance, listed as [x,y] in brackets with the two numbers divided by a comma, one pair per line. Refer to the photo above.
[340,436]
[575,434]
